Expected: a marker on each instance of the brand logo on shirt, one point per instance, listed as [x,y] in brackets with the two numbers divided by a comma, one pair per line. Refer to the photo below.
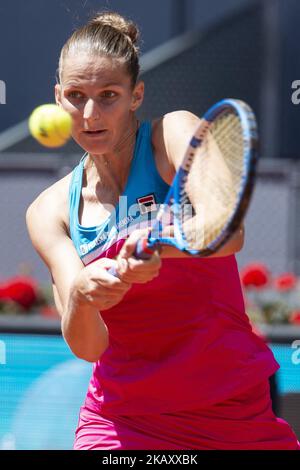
[147,203]
[84,249]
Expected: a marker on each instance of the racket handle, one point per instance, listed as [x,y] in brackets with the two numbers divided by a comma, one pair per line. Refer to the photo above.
[113,271]
[142,251]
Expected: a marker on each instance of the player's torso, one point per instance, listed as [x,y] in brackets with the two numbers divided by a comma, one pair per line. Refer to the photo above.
[98,200]
[191,309]
[98,223]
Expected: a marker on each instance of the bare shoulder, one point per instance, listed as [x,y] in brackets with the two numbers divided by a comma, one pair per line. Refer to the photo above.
[47,220]
[51,204]
[174,122]
[171,134]
[179,119]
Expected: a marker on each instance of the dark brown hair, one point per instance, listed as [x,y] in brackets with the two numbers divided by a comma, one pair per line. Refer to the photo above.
[108,34]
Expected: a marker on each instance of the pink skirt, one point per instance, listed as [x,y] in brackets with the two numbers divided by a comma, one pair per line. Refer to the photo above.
[243,422]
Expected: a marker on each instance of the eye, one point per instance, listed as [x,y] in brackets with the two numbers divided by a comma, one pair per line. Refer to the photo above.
[74,94]
[108,94]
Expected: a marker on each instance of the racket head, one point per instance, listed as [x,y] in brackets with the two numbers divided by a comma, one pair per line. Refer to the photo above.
[221,163]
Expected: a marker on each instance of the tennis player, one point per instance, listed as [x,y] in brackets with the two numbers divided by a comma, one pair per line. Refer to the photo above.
[176,364]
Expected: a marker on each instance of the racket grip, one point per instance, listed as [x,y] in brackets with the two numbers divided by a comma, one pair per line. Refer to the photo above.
[113,271]
[142,251]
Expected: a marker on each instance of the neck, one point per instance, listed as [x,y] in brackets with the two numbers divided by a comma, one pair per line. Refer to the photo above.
[111,169]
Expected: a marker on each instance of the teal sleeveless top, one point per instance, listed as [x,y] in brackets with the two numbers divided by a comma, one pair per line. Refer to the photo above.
[137,207]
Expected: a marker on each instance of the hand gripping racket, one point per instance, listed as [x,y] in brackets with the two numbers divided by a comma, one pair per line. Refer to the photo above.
[211,190]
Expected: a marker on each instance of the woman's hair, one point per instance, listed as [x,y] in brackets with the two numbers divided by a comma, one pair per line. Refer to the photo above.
[107,34]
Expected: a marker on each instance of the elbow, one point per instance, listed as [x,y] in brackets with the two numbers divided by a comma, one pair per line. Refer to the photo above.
[238,246]
[84,348]
[88,355]
[87,358]
[239,240]
[234,245]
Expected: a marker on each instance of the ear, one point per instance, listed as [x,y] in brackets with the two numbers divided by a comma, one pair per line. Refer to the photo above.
[57,91]
[137,96]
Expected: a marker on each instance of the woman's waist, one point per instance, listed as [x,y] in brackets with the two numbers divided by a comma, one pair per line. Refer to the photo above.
[187,378]
[189,345]
[183,291]
[170,326]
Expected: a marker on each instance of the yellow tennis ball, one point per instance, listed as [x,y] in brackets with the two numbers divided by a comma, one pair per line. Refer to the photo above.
[50,125]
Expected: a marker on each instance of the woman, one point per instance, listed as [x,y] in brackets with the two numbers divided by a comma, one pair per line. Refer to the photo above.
[176,365]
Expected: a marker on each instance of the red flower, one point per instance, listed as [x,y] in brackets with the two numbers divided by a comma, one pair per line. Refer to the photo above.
[295,317]
[22,290]
[285,282]
[255,275]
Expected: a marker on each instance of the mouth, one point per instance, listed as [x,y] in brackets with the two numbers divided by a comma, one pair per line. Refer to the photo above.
[95,132]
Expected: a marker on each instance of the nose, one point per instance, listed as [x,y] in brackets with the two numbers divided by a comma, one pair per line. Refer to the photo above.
[91,110]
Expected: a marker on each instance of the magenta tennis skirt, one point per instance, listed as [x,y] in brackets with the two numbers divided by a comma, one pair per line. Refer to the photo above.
[243,422]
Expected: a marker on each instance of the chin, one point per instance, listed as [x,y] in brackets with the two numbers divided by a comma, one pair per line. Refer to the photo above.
[93,147]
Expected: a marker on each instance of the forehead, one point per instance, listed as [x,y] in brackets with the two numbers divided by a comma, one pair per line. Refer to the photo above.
[92,69]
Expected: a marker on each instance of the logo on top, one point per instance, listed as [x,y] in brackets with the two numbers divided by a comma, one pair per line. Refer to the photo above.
[147,203]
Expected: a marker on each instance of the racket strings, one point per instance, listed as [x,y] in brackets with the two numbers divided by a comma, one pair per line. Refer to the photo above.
[209,193]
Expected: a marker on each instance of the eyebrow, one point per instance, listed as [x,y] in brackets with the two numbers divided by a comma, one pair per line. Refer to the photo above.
[103,85]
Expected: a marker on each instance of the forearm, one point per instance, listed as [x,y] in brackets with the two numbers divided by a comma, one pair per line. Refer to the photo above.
[83,329]
[234,245]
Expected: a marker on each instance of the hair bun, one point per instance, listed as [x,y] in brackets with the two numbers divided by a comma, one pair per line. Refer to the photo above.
[119,23]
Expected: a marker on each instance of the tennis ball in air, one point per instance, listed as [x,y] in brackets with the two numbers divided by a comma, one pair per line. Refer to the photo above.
[50,125]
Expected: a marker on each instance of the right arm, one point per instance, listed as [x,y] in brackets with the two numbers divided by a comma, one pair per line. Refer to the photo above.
[80,292]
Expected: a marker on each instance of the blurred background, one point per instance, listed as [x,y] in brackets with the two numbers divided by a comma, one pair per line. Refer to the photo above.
[194,52]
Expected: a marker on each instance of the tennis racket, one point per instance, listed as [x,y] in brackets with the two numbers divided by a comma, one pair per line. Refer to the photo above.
[211,191]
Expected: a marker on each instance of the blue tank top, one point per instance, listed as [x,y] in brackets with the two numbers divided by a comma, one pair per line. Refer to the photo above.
[137,207]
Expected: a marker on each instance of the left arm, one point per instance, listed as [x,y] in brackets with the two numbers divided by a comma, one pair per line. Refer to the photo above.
[234,245]
[171,137]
